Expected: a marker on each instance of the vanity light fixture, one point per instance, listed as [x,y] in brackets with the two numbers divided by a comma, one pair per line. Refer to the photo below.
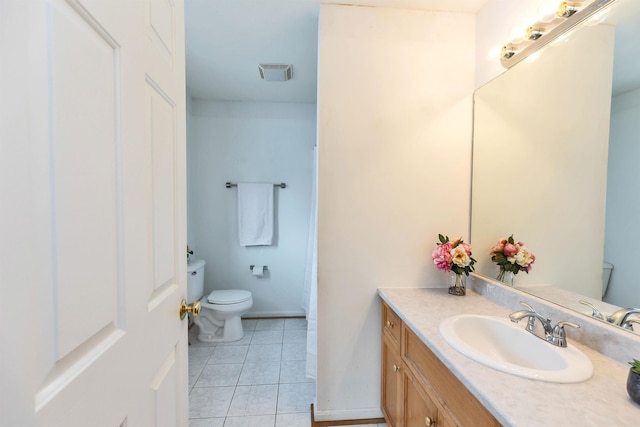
[566,16]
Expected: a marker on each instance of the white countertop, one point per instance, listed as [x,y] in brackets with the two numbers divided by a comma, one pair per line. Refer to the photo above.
[515,401]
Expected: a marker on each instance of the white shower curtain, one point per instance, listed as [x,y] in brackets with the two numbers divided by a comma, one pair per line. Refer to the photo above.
[311,277]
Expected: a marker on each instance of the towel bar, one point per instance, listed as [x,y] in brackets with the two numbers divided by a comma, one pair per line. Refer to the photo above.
[281,185]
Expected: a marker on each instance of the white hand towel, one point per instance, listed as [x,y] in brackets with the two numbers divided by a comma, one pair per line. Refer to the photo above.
[255,214]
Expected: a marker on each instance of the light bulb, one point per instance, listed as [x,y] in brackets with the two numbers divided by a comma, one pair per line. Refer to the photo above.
[533,33]
[507,51]
[566,10]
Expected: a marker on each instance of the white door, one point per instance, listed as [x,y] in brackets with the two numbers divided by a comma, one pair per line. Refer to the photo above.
[92,213]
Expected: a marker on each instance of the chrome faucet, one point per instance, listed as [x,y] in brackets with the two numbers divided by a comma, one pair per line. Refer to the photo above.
[621,317]
[542,329]
[618,318]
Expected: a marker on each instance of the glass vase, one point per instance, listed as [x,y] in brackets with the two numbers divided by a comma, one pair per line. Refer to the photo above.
[506,277]
[458,288]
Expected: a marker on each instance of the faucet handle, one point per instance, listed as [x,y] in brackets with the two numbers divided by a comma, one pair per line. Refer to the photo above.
[531,322]
[595,312]
[559,335]
[567,323]
[526,305]
[531,319]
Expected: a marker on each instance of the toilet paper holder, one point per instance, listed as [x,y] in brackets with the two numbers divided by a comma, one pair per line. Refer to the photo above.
[264,267]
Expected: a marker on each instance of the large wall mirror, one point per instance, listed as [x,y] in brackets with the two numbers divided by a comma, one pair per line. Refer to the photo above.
[556,163]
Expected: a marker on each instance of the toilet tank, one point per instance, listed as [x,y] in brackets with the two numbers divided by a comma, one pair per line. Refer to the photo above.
[195,280]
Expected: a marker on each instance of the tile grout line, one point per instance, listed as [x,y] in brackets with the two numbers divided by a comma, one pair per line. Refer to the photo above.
[275,417]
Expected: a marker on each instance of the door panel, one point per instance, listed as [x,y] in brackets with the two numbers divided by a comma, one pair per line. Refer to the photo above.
[85,168]
[162,153]
[93,170]
[165,389]
[160,19]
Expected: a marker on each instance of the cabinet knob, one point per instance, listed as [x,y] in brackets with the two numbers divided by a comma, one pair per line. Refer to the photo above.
[389,324]
[429,422]
[396,368]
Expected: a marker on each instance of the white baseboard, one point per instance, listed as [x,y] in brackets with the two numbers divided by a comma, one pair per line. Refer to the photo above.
[290,313]
[347,414]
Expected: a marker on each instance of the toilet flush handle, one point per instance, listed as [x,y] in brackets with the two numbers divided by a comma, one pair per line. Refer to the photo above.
[193,273]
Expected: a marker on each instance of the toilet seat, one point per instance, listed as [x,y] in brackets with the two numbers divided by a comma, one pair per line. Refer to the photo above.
[228,296]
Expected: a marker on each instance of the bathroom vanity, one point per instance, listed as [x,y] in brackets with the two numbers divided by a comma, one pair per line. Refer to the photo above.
[417,388]
[427,382]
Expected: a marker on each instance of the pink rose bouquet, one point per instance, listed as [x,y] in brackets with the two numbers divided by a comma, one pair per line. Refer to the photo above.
[453,256]
[512,256]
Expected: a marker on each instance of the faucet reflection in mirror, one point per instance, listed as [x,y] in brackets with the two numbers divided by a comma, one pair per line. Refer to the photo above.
[619,318]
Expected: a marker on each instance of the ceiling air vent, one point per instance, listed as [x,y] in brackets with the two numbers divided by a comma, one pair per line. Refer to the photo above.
[275,72]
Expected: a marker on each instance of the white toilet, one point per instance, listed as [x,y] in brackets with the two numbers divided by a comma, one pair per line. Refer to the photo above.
[221,310]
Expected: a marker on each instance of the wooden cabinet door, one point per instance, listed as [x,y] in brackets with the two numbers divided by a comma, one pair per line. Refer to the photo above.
[461,405]
[444,420]
[419,409]
[391,383]
[391,324]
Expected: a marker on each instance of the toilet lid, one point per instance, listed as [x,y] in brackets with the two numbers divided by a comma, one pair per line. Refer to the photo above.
[228,296]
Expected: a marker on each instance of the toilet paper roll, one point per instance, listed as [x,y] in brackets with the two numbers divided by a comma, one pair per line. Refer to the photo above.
[258,270]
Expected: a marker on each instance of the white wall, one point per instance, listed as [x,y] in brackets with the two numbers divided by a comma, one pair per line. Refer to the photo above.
[251,142]
[394,116]
[623,200]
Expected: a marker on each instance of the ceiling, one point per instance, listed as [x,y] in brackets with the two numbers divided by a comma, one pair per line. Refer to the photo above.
[227,39]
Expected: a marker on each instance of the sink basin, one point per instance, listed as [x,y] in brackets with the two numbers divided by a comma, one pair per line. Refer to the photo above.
[500,344]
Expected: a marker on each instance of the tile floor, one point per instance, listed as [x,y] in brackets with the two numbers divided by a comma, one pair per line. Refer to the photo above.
[258,381]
